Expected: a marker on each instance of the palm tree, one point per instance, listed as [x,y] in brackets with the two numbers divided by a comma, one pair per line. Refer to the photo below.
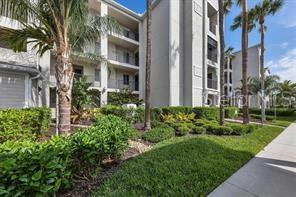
[287,89]
[222,58]
[148,69]
[245,61]
[243,21]
[60,26]
[271,83]
[224,7]
[258,14]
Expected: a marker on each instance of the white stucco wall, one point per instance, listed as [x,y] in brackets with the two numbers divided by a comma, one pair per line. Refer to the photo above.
[160,55]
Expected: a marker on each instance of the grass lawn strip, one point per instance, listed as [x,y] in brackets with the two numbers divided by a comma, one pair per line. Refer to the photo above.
[191,166]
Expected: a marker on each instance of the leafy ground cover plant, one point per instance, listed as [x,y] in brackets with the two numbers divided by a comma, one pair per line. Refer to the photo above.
[31,168]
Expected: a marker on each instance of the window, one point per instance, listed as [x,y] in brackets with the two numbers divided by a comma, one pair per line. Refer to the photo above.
[225,91]
[97,47]
[230,64]
[52,97]
[125,79]
[225,77]
[212,49]
[97,75]
[126,57]
[230,77]
[78,71]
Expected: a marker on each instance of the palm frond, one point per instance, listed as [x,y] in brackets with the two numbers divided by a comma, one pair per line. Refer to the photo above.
[29,34]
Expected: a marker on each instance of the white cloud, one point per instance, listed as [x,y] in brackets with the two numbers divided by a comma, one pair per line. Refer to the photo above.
[285,67]
[284,45]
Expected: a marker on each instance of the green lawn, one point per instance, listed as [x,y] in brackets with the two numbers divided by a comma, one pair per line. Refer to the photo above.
[191,166]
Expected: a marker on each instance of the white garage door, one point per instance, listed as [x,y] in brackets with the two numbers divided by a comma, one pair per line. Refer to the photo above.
[12,90]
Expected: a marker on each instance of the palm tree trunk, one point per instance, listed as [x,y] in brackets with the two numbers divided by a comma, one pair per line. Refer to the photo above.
[262,71]
[148,69]
[222,58]
[64,77]
[245,62]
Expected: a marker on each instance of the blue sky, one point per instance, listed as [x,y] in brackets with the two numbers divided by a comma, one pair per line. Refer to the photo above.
[280,41]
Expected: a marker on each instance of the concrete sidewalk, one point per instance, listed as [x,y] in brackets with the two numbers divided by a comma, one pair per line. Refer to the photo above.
[272,173]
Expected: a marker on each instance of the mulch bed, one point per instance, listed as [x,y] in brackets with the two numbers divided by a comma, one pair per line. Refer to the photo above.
[83,187]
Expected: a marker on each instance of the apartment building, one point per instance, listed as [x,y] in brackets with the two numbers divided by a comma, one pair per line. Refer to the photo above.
[185,63]
[121,71]
[185,50]
[233,76]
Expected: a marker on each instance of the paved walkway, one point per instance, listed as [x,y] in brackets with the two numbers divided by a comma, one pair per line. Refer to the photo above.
[272,173]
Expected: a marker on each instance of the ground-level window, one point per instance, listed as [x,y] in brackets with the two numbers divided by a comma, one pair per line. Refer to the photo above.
[52,97]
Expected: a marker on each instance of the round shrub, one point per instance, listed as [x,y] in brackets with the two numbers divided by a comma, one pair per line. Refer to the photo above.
[35,169]
[159,134]
[221,130]
[238,129]
[199,130]
[183,130]
[108,137]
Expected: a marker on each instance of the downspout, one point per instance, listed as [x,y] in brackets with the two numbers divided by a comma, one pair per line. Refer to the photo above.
[30,84]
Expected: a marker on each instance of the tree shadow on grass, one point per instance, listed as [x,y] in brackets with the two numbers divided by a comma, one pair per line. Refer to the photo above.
[191,167]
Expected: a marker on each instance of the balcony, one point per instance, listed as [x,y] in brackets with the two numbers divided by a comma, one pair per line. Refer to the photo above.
[130,34]
[124,59]
[121,85]
[23,58]
[213,84]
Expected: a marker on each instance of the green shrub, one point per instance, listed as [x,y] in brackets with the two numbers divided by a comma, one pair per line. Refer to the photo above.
[231,112]
[29,168]
[139,115]
[222,130]
[238,129]
[199,130]
[176,110]
[131,115]
[159,134]
[210,113]
[122,112]
[157,124]
[183,130]
[156,114]
[250,128]
[23,123]
[108,137]
[201,122]
[256,116]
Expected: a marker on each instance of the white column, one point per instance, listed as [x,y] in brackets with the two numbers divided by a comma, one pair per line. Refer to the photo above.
[104,64]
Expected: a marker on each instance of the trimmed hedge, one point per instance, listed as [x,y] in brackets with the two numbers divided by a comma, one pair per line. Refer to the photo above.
[23,123]
[231,112]
[270,112]
[137,115]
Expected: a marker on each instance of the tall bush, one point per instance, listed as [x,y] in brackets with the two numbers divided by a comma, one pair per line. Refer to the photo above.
[23,123]
[108,137]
